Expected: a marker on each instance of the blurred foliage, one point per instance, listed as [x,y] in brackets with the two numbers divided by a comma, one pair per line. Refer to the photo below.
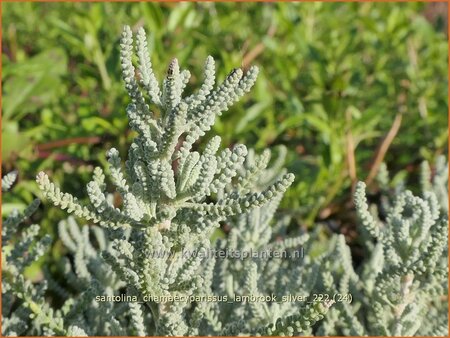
[328,71]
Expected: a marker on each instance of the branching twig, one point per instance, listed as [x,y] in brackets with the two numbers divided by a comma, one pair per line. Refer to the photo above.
[383,148]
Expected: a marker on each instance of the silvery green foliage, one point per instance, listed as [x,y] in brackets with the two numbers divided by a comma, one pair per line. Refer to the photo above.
[173,197]
[244,273]
[436,183]
[8,180]
[201,317]
[401,289]
[25,306]
[21,300]
[87,275]
[166,182]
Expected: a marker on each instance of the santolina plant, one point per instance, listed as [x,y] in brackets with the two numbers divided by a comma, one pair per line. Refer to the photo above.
[143,268]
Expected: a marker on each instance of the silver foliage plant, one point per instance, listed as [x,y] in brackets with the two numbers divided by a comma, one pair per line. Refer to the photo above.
[22,301]
[401,287]
[173,197]
[166,185]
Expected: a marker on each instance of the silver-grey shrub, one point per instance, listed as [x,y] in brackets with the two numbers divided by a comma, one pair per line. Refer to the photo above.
[174,196]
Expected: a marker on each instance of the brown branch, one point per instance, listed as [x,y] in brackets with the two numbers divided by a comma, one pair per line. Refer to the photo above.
[258,49]
[383,148]
[350,150]
[68,141]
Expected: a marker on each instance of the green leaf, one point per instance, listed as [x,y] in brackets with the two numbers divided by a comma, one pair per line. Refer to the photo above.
[13,141]
[251,113]
[34,83]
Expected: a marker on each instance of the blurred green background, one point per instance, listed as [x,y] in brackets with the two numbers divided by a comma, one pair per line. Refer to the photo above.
[334,78]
